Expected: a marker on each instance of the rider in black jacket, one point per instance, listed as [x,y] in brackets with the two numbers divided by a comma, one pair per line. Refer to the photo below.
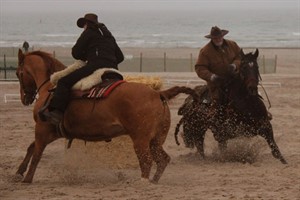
[98,48]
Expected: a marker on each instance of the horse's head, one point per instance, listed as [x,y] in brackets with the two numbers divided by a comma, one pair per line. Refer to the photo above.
[34,70]
[249,71]
[27,83]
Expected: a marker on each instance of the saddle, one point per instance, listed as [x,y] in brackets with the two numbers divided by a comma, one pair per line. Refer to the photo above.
[101,90]
[203,97]
[109,81]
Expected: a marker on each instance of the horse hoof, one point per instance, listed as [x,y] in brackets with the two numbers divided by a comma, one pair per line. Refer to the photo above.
[26,181]
[283,162]
[154,182]
[17,178]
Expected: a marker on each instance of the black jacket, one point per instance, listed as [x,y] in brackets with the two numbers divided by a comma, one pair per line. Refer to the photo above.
[98,47]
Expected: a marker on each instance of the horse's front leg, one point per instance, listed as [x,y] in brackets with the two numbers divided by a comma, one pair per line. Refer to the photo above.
[23,166]
[267,133]
[44,135]
[36,157]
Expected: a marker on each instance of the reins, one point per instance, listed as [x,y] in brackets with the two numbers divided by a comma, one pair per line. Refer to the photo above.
[37,91]
[266,95]
[259,83]
[31,92]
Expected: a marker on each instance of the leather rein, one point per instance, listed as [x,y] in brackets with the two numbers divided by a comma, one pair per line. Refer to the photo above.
[32,93]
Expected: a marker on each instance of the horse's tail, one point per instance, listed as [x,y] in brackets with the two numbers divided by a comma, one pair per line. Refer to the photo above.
[174,91]
[177,130]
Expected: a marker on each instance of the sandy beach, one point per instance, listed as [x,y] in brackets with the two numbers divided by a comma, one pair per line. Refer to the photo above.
[106,171]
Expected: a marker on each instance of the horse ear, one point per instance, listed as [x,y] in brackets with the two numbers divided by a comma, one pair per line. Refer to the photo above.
[242,53]
[20,56]
[256,53]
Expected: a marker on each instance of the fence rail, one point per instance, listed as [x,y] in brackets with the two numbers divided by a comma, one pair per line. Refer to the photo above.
[137,63]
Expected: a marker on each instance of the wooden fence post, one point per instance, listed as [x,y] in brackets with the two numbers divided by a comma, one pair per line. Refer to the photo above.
[165,62]
[141,62]
[264,64]
[275,67]
[191,56]
[5,67]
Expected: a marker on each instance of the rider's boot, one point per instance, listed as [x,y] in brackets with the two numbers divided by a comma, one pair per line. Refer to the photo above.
[54,116]
[57,105]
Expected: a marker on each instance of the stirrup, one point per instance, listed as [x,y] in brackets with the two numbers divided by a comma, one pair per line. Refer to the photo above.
[42,110]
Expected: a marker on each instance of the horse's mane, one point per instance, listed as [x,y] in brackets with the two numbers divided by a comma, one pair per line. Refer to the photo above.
[52,63]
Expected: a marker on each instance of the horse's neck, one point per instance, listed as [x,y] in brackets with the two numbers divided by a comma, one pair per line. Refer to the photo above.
[42,82]
[237,94]
[237,89]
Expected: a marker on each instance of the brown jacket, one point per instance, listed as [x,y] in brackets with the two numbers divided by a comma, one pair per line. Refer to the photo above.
[212,59]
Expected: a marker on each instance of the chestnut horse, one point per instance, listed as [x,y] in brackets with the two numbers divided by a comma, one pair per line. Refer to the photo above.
[132,109]
[243,113]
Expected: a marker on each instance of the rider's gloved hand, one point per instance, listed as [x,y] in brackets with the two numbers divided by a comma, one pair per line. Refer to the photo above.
[232,69]
[214,78]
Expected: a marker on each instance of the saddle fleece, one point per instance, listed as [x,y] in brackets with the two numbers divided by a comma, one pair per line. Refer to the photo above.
[85,83]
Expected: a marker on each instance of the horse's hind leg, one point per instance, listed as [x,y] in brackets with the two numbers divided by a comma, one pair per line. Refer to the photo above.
[199,142]
[268,135]
[23,166]
[142,151]
[222,145]
[160,157]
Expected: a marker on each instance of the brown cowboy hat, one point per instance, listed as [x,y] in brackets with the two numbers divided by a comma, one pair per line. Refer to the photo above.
[216,32]
[90,17]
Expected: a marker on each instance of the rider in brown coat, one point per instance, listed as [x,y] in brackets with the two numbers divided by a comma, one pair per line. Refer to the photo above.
[218,60]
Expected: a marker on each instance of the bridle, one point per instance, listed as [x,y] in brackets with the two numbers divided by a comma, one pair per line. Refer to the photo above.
[29,93]
[257,79]
[248,79]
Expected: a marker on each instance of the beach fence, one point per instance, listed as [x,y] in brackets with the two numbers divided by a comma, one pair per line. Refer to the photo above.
[267,65]
[162,61]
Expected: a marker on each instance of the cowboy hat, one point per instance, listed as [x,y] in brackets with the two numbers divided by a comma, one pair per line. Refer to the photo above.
[90,17]
[216,32]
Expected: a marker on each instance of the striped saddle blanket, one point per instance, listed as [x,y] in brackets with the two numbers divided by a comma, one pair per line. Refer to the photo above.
[101,90]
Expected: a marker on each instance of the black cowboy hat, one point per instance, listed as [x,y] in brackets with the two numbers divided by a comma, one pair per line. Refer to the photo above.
[90,17]
[216,32]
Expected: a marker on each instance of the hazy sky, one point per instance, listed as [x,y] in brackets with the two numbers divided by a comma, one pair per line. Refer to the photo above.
[98,5]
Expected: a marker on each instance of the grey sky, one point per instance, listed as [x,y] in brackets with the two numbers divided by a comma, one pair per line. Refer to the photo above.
[106,5]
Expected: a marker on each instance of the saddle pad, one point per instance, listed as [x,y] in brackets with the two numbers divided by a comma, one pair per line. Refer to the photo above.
[104,90]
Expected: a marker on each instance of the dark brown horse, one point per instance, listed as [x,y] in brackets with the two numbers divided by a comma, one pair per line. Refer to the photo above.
[243,113]
[132,109]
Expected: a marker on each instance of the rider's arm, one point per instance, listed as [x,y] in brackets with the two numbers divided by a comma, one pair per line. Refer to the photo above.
[201,67]
[79,50]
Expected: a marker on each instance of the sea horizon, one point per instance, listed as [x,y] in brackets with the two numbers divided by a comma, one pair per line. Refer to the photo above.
[156,28]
